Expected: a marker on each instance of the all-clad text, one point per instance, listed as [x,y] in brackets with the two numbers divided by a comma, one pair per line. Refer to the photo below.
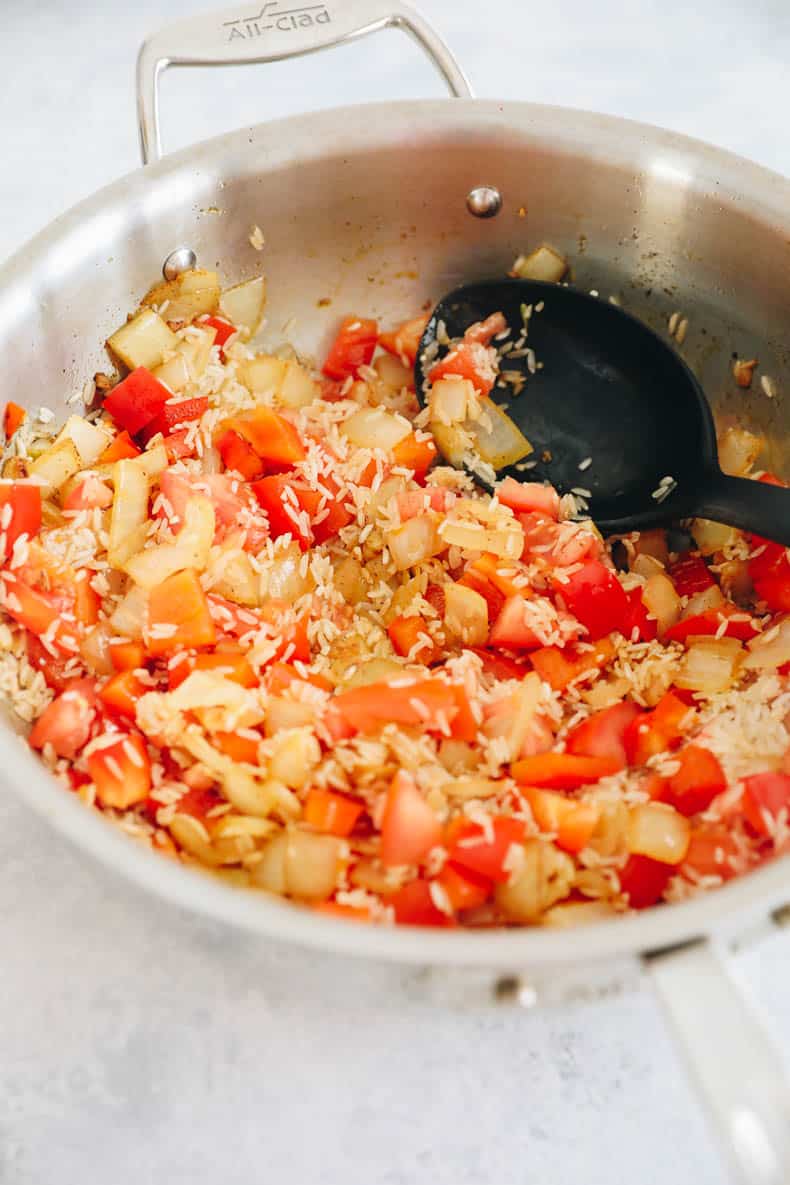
[272,17]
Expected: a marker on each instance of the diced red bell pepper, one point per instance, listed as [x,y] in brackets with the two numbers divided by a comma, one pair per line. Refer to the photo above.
[739,625]
[712,851]
[524,497]
[13,418]
[690,574]
[464,889]
[331,812]
[560,667]
[406,633]
[137,400]
[484,331]
[644,880]
[20,513]
[39,612]
[655,731]
[484,851]
[56,668]
[178,614]
[285,518]
[181,411]
[419,703]
[238,748]
[225,329]
[280,676]
[126,656]
[596,598]
[562,771]
[512,630]
[121,772]
[638,619]
[770,573]
[122,448]
[409,825]
[90,494]
[122,691]
[353,347]
[66,723]
[500,666]
[764,796]
[231,664]
[413,905]
[294,645]
[695,785]
[469,360]
[239,455]
[572,822]
[404,342]
[272,437]
[415,453]
[479,583]
[603,733]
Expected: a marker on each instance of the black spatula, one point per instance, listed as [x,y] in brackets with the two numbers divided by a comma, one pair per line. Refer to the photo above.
[611,390]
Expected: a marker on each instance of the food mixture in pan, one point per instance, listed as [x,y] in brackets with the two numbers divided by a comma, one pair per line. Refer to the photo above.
[255,620]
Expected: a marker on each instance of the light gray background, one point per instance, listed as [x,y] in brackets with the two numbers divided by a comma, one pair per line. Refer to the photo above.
[139,1045]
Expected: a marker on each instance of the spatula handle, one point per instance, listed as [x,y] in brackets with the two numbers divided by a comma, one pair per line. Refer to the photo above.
[751,505]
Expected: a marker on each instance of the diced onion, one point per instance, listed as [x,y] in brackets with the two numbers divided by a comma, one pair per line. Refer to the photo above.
[738,450]
[282,578]
[711,537]
[457,757]
[413,542]
[89,440]
[95,649]
[191,294]
[262,374]
[542,264]
[243,304]
[55,466]
[662,601]
[465,614]
[392,372]
[128,620]
[295,756]
[300,864]
[703,602]
[143,341]
[232,576]
[577,913]
[710,664]
[373,427]
[646,565]
[452,401]
[191,548]
[658,831]
[475,526]
[349,580]
[152,462]
[771,649]
[498,439]
[373,670]
[129,515]
[543,876]
[296,388]
[282,713]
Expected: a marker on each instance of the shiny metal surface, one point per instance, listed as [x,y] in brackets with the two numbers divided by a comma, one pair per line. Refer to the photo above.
[178,261]
[484,201]
[663,222]
[270,34]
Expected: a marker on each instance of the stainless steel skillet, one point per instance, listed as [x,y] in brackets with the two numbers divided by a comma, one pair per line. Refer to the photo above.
[369,207]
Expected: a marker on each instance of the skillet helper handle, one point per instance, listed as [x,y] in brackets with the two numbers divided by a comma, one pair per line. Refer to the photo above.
[272,31]
[738,1071]
[750,505]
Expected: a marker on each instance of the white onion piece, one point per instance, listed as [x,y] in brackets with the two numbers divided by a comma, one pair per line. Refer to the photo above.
[95,649]
[143,341]
[475,526]
[373,427]
[711,537]
[191,294]
[710,664]
[645,564]
[658,831]
[542,264]
[662,601]
[703,602]
[129,514]
[191,548]
[128,620]
[297,388]
[543,876]
[738,450]
[771,649]
[243,304]
[282,577]
[232,576]
[55,466]
[300,864]
[294,757]
[414,542]
[372,670]
[452,401]
[392,372]
[89,440]
[282,713]
[262,374]
[465,614]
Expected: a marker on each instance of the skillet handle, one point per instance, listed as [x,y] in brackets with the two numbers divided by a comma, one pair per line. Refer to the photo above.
[750,505]
[739,1072]
[271,31]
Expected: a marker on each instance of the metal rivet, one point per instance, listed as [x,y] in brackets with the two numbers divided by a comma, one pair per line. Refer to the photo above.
[510,989]
[178,261]
[484,201]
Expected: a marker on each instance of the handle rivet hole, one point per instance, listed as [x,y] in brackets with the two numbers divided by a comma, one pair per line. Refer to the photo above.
[484,201]
[178,261]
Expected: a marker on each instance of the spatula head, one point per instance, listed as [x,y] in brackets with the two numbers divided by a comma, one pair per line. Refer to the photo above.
[610,408]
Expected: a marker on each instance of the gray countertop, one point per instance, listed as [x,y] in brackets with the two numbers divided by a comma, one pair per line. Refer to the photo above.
[138,1044]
